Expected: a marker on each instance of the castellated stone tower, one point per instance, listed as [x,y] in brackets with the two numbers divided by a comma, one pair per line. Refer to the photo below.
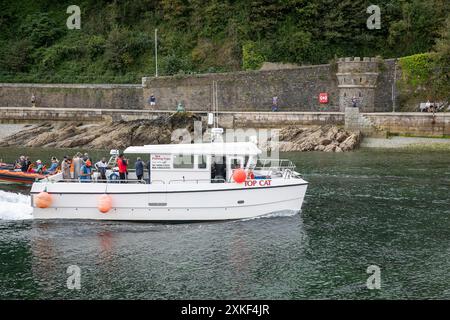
[357,78]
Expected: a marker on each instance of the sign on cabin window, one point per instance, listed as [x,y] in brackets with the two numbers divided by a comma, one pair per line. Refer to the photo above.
[183,161]
[161,161]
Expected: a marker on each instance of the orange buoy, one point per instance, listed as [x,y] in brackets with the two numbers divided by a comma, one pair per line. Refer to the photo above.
[239,175]
[43,200]
[104,203]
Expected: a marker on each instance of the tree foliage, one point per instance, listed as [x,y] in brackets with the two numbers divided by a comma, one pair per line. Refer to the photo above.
[116,41]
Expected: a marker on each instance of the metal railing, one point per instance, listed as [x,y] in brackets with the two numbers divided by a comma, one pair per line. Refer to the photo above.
[284,168]
[94,181]
[108,181]
[197,181]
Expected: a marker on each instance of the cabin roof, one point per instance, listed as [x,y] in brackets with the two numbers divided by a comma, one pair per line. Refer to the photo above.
[217,148]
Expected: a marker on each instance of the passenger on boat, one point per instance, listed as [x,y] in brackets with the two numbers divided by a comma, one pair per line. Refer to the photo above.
[122,163]
[19,163]
[27,164]
[86,172]
[139,166]
[77,162]
[148,167]
[53,166]
[65,167]
[101,167]
[39,167]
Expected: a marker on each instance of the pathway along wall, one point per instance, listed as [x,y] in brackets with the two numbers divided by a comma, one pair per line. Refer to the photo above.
[297,89]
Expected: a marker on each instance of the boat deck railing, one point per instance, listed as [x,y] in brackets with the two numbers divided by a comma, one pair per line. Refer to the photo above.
[197,181]
[129,181]
[284,168]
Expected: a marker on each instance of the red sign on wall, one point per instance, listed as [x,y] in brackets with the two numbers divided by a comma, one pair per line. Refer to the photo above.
[323,97]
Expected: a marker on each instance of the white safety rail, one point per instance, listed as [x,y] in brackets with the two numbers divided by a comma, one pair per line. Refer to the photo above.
[284,168]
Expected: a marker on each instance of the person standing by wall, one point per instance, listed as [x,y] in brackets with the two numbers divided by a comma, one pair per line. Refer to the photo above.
[152,100]
[354,102]
[274,103]
[33,100]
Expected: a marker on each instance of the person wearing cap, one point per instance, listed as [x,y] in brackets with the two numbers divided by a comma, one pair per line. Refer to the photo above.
[86,171]
[39,167]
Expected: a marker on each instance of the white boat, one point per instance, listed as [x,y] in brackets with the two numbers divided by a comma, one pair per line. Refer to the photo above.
[187,182]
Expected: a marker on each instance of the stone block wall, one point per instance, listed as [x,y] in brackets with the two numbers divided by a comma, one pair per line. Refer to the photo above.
[297,90]
[90,96]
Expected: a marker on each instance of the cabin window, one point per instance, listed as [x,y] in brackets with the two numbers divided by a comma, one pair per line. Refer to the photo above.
[235,163]
[183,161]
[202,161]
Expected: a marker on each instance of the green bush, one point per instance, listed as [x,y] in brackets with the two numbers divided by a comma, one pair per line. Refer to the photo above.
[252,58]
[40,29]
[417,69]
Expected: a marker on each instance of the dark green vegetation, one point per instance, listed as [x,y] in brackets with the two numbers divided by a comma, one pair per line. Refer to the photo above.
[116,40]
[427,76]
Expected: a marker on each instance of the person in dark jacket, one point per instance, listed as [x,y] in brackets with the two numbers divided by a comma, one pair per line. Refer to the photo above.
[148,167]
[139,166]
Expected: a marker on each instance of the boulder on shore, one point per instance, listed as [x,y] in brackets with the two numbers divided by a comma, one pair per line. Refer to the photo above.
[326,138]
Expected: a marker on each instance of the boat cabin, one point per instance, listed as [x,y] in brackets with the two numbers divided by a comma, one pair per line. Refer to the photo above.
[197,163]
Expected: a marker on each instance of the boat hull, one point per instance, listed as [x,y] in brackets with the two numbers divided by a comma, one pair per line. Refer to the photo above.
[171,203]
[19,177]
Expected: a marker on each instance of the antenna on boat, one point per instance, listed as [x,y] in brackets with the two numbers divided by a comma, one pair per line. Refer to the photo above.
[213,116]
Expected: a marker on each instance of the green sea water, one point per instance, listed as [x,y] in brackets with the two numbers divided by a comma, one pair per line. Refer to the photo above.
[385,208]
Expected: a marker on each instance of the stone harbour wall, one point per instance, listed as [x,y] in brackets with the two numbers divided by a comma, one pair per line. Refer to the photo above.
[297,90]
[86,96]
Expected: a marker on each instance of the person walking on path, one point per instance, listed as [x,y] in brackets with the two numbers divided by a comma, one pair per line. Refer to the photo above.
[274,104]
[152,100]
[354,101]
[33,100]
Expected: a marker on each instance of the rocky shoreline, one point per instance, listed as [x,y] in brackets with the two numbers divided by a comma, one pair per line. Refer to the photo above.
[326,138]
[122,134]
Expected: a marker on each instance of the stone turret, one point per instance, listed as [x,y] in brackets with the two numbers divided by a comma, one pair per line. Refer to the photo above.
[357,78]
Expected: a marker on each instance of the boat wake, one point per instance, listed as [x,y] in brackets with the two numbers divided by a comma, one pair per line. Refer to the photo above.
[287,213]
[15,206]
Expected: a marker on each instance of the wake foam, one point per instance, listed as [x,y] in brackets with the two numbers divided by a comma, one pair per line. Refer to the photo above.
[284,213]
[15,206]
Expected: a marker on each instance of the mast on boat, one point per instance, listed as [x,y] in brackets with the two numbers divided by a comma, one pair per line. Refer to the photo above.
[213,116]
